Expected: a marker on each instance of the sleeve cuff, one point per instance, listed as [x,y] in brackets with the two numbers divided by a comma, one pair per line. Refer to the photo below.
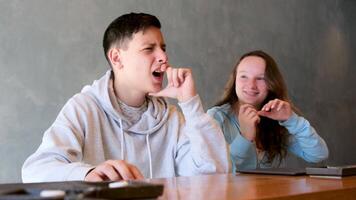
[79,172]
[192,107]
[290,121]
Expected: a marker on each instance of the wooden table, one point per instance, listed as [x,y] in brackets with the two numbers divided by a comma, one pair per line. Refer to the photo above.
[245,186]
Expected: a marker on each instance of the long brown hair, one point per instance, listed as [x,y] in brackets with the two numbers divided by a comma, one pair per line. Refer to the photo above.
[270,136]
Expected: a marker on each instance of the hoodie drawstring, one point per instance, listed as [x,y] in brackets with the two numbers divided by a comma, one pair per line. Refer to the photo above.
[122,141]
[149,154]
[123,148]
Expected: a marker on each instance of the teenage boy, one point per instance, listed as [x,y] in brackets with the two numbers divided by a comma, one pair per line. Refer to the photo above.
[121,127]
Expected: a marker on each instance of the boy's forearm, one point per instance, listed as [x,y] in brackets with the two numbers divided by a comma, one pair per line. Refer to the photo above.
[43,169]
[207,146]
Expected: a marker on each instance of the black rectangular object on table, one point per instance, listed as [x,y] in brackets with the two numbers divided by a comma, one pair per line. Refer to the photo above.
[274,171]
[347,170]
[81,189]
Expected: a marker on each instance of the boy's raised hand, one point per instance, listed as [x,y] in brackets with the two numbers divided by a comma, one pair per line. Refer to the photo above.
[276,109]
[180,85]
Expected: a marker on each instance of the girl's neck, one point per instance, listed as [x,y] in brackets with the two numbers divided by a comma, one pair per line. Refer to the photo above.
[236,106]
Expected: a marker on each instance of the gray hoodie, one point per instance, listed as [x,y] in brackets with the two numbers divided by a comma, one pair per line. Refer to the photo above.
[163,143]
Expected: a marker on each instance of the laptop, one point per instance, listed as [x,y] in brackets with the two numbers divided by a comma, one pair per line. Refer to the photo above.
[274,171]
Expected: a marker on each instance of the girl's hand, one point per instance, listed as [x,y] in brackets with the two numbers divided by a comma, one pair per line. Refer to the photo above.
[276,109]
[248,119]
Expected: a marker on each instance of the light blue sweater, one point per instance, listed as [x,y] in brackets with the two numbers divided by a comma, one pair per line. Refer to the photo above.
[163,143]
[303,140]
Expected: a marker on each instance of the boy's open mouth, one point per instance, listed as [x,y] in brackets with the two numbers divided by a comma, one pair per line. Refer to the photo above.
[157,74]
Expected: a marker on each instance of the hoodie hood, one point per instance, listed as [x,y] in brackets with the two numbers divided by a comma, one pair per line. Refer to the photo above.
[151,120]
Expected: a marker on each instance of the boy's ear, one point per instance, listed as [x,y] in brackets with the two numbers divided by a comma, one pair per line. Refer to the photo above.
[114,57]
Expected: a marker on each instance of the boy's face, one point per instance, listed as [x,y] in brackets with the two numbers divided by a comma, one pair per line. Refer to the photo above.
[144,61]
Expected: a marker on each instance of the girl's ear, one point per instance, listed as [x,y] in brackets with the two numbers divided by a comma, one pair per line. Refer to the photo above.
[114,57]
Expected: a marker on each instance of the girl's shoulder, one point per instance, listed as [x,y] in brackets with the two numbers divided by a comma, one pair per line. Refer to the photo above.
[220,112]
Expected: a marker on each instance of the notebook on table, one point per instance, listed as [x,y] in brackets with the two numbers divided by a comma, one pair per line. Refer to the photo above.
[332,171]
[274,171]
[80,189]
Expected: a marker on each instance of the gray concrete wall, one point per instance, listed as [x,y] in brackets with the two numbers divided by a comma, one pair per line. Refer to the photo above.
[50,49]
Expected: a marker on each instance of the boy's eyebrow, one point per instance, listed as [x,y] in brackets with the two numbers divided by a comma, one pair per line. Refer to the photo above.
[149,43]
[163,45]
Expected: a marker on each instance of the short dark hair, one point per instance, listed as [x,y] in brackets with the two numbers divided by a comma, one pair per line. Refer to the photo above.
[123,27]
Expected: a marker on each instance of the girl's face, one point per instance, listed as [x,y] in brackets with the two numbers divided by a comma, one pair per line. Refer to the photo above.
[250,83]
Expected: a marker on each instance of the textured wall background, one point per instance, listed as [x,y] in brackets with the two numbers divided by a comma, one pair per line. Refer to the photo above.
[50,49]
